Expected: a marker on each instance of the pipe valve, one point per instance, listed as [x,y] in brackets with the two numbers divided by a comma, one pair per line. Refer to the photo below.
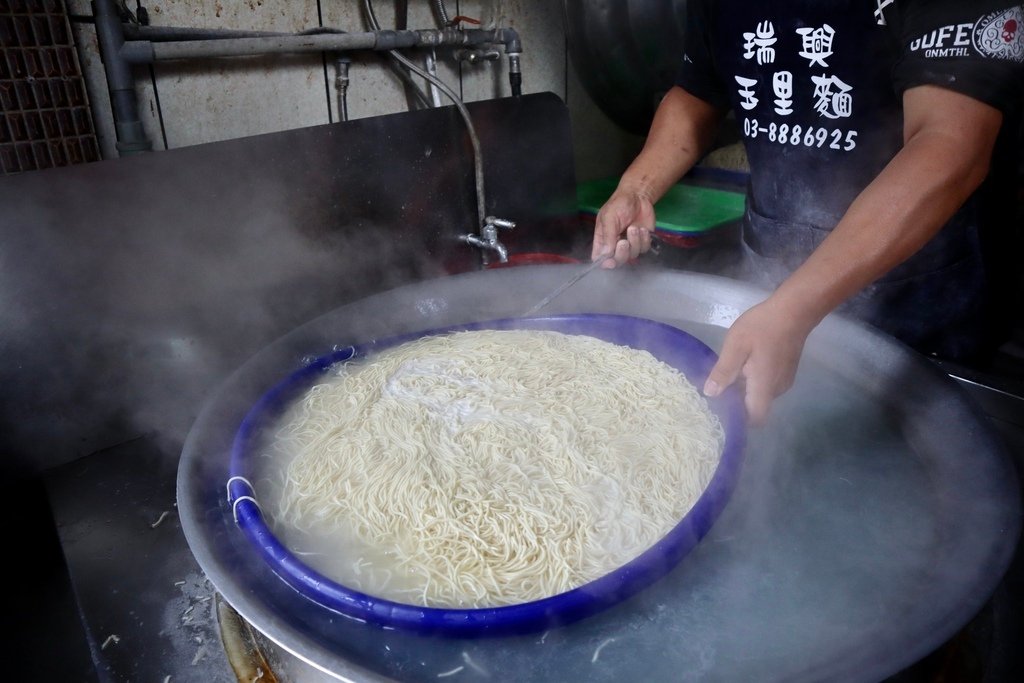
[477,56]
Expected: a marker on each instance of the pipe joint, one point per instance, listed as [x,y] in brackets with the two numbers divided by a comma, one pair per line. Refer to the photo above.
[510,38]
[393,40]
[138,52]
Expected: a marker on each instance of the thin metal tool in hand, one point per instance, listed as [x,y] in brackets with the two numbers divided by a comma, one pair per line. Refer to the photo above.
[567,284]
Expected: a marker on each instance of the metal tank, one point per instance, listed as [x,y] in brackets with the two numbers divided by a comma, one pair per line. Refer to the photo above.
[626,54]
[875,514]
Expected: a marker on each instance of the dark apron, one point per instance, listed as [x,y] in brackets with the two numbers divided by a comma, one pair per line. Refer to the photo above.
[933,302]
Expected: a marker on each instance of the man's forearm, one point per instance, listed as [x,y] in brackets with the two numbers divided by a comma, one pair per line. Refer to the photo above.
[905,206]
[683,128]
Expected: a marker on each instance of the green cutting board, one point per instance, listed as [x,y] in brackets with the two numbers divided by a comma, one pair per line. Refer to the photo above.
[685,209]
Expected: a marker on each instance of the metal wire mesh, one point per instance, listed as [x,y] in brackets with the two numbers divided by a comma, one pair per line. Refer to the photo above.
[45,119]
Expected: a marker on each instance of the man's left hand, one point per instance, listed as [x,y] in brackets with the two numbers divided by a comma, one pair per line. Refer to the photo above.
[761,350]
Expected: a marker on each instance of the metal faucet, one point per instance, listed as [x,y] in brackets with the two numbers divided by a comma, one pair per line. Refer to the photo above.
[488,238]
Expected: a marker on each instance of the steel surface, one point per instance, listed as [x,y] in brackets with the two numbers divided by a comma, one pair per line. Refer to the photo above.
[876,513]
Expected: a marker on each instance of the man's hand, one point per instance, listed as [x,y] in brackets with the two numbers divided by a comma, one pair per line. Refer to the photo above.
[762,350]
[623,228]
[948,144]
[683,129]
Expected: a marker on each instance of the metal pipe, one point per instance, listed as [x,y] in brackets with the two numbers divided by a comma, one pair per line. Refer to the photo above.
[513,49]
[510,38]
[401,14]
[131,137]
[478,160]
[169,33]
[515,75]
[413,93]
[148,51]
[341,83]
[430,63]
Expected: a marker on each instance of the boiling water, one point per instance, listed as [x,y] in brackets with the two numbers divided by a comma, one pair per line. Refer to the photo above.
[334,551]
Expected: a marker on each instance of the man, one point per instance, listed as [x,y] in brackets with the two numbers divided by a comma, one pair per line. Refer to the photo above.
[869,128]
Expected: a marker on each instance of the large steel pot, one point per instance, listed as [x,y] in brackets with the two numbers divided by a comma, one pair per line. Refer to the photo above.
[875,514]
[626,54]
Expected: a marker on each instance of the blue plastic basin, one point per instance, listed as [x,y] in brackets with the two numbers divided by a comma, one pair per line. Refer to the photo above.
[671,345]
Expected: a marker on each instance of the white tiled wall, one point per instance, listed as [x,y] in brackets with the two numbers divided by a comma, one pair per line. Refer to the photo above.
[207,100]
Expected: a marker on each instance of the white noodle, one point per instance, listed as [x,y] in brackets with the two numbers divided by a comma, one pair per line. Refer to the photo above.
[597,652]
[451,673]
[489,467]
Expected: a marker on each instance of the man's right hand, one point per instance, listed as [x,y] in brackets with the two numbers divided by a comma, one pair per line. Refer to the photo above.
[683,129]
[623,228]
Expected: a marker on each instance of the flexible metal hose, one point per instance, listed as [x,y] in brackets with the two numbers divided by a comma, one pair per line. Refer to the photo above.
[442,12]
[478,162]
[412,88]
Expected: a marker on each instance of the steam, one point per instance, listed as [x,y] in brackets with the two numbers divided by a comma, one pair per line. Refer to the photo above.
[125,312]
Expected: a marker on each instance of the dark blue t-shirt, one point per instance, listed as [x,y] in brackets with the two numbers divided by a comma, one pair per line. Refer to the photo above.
[816,87]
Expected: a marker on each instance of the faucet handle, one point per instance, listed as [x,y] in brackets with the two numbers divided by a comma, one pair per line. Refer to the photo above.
[492,221]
